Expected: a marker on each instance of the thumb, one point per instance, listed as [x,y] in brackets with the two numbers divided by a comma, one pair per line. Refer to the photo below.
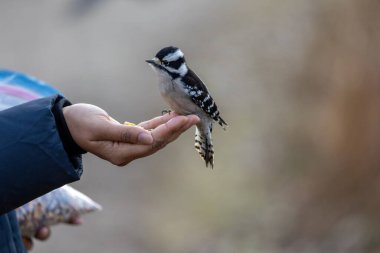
[114,131]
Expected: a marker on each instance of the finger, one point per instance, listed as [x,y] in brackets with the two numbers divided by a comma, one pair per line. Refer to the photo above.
[153,123]
[43,233]
[193,120]
[165,131]
[175,129]
[163,134]
[163,138]
[112,131]
[28,243]
[125,153]
[75,220]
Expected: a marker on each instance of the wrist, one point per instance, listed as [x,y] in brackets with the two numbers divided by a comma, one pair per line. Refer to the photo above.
[68,142]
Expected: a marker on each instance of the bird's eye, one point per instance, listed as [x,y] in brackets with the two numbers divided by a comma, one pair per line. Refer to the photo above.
[165,63]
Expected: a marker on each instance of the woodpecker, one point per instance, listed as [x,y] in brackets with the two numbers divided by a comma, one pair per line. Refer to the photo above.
[186,94]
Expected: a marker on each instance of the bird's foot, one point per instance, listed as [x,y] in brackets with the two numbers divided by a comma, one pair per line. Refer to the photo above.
[165,112]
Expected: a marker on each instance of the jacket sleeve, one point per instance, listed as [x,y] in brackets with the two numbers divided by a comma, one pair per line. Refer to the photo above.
[33,159]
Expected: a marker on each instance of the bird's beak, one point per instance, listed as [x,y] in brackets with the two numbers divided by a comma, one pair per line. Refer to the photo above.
[154,62]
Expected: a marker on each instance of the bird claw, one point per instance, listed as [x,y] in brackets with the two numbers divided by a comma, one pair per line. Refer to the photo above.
[165,112]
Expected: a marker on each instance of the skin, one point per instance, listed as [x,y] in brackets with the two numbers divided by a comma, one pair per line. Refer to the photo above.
[96,132]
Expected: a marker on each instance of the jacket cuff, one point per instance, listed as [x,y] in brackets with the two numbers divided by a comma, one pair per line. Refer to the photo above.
[70,146]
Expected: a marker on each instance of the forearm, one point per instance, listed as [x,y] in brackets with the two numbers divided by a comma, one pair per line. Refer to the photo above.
[33,159]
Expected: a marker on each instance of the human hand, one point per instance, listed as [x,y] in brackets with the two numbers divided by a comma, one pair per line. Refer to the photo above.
[44,233]
[96,132]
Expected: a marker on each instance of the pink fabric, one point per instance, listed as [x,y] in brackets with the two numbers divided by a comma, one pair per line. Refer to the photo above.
[18,92]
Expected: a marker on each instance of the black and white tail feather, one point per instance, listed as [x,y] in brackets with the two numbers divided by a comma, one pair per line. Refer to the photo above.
[186,94]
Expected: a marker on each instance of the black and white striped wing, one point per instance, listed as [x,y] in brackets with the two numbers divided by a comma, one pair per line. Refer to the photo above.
[201,97]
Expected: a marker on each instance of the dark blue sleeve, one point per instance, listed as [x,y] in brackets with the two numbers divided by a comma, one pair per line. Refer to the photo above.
[33,160]
[10,239]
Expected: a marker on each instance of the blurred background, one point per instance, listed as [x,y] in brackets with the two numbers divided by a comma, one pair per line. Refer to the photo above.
[298,82]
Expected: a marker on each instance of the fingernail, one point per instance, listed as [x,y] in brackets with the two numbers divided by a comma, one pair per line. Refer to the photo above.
[144,138]
[76,221]
[194,118]
[43,232]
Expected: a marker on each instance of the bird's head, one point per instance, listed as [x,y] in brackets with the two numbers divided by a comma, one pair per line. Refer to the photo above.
[169,60]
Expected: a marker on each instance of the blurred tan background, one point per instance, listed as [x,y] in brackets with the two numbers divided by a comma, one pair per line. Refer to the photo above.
[298,82]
